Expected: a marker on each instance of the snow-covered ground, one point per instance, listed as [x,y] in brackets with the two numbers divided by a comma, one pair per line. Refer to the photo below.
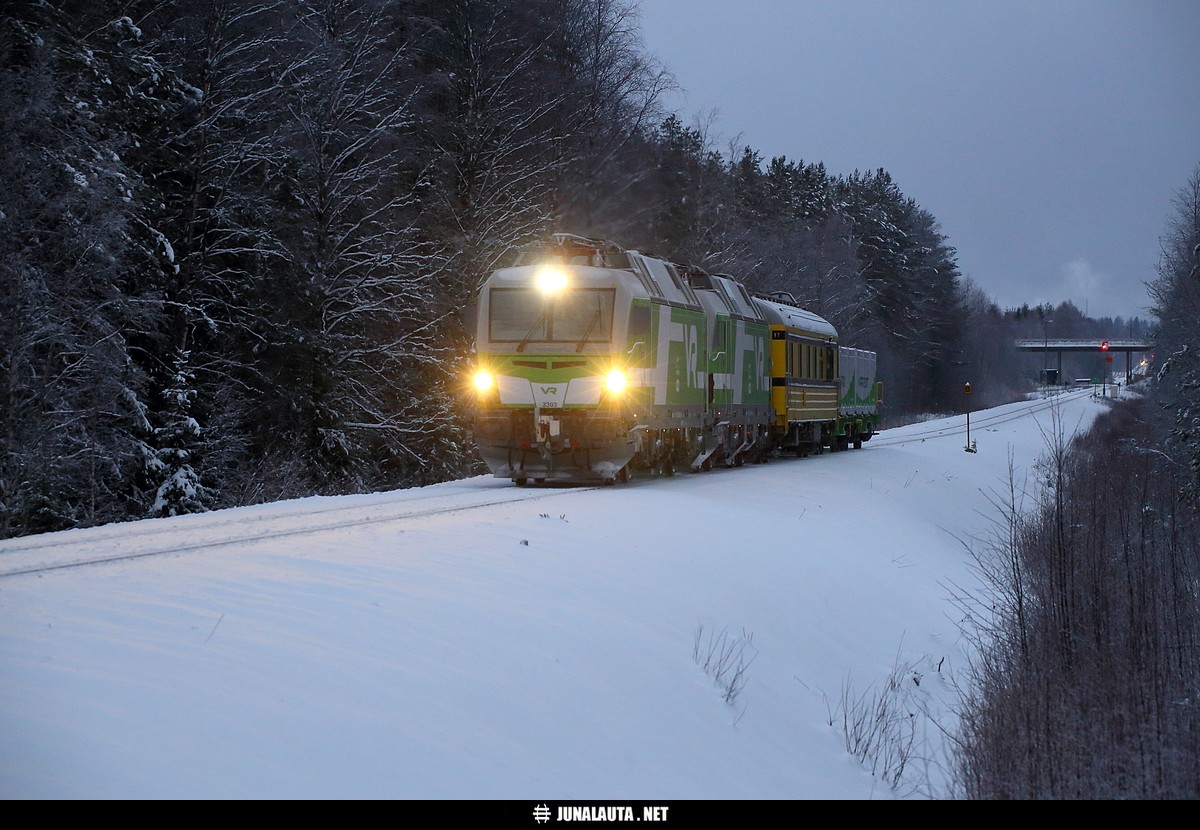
[475,640]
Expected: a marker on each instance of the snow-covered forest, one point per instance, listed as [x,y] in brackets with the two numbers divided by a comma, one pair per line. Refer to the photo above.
[238,239]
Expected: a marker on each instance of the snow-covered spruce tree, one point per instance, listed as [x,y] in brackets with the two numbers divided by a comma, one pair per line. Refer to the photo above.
[756,238]
[911,279]
[220,166]
[79,264]
[688,190]
[179,487]
[803,245]
[1176,292]
[938,311]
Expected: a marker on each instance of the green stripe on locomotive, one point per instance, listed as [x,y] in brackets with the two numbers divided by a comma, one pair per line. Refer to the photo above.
[737,360]
[739,363]
[547,372]
[665,353]
[756,370]
[547,367]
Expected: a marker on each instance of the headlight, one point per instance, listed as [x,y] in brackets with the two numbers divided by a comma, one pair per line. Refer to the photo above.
[614,382]
[484,380]
[551,280]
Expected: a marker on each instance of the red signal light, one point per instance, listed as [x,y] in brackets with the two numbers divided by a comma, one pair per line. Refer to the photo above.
[1104,346]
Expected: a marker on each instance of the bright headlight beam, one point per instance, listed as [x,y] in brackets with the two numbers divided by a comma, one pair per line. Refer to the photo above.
[551,280]
[615,381]
[483,380]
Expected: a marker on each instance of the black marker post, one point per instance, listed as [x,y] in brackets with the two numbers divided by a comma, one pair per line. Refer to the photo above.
[967,391]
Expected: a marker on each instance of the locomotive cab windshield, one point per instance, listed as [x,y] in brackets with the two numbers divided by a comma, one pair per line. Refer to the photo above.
[570,316]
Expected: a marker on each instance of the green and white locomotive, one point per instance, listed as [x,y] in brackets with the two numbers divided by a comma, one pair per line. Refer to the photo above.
[594,361]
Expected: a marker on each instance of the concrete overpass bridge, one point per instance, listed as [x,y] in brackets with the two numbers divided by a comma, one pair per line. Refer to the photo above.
[1107,347]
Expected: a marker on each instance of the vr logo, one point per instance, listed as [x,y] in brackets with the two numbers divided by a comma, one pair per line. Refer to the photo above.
[549,390]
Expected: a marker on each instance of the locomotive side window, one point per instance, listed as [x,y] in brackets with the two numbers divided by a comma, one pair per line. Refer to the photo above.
[639,321]
[722,339]
[747,303]
[645,277]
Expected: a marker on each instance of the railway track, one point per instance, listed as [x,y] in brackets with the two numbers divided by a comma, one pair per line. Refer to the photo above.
[916,433]
[138,540]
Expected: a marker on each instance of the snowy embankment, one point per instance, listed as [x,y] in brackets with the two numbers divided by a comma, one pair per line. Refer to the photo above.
[477,640]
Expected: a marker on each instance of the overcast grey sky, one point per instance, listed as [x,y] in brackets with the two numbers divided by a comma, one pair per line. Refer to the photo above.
[1048,137]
